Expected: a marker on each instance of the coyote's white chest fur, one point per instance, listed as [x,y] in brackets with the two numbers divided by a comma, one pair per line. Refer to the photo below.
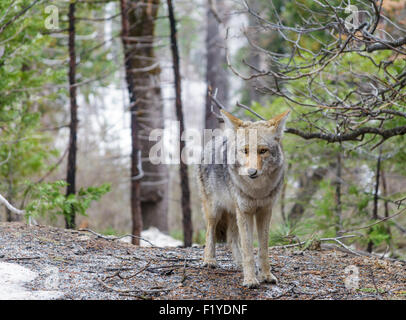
[241,187]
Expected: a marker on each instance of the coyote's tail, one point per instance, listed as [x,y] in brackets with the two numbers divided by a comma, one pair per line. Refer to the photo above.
[221,228]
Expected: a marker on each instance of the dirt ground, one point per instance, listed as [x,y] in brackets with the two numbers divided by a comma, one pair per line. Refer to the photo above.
[84,266]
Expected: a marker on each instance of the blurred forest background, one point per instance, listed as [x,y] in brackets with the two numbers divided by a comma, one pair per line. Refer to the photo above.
[83,83]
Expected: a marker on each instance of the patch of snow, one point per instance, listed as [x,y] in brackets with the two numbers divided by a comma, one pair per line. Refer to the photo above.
[157,238]
[12,280]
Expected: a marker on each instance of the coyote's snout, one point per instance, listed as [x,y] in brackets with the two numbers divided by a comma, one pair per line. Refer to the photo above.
[241,190]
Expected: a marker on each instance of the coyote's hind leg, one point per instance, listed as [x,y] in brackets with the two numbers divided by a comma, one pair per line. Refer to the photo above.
[233,239]
[212,218]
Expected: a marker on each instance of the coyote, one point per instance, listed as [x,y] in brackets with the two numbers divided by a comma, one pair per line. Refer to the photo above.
[234,193]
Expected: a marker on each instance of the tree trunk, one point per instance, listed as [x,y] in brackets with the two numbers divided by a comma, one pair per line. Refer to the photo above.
[184,178]
[71,167]
[338,191]
[386,204]
[216,74]
[148,109]
[254,58]
[136,214]
[377,181]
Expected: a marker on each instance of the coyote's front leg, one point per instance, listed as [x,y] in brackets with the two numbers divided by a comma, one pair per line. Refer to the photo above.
[245,223]
[263,219]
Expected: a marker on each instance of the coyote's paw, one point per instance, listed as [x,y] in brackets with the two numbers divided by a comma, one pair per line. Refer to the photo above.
[210,263]
[269,278]
[251,283]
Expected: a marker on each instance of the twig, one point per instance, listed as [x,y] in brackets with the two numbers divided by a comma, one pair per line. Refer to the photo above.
[379,221]
[374,283]
[213,97]
[214,12]
[7,159]
[243,106]
[346,247]
[129,277]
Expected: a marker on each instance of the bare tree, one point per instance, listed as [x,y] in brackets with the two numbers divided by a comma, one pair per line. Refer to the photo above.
[73,127]
[184,177]
[148,108]
[136,214]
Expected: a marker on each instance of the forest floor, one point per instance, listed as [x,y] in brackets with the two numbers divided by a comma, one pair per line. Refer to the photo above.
[71,264]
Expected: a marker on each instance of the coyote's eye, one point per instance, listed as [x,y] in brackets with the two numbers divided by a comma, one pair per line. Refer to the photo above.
[263,151]
[245,151]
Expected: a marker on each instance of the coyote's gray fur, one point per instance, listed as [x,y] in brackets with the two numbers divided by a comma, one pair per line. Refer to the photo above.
[237,192]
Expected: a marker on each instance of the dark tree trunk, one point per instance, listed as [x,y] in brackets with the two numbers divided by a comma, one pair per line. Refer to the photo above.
[149,108]
[71,167]
[216,74]
[136,214]
[377,181]
[386,203]
[338,191]
[184,178]
[376,197]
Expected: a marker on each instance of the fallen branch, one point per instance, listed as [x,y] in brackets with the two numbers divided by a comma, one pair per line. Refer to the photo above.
[131,290]
[374,283]
[361,253]
[10,207]
[322,239]
[129,277]
[113,238]
[22,258]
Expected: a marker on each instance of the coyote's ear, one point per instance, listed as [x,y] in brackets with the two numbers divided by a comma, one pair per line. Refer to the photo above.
[279,122]
[230,121]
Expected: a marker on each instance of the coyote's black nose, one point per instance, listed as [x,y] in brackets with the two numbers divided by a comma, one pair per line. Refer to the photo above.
[252,172]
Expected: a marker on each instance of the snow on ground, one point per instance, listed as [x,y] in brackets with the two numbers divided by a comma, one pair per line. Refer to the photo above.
[13,277]
[157,238]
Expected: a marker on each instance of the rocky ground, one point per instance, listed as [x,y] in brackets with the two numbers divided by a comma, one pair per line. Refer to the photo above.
[64,264]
